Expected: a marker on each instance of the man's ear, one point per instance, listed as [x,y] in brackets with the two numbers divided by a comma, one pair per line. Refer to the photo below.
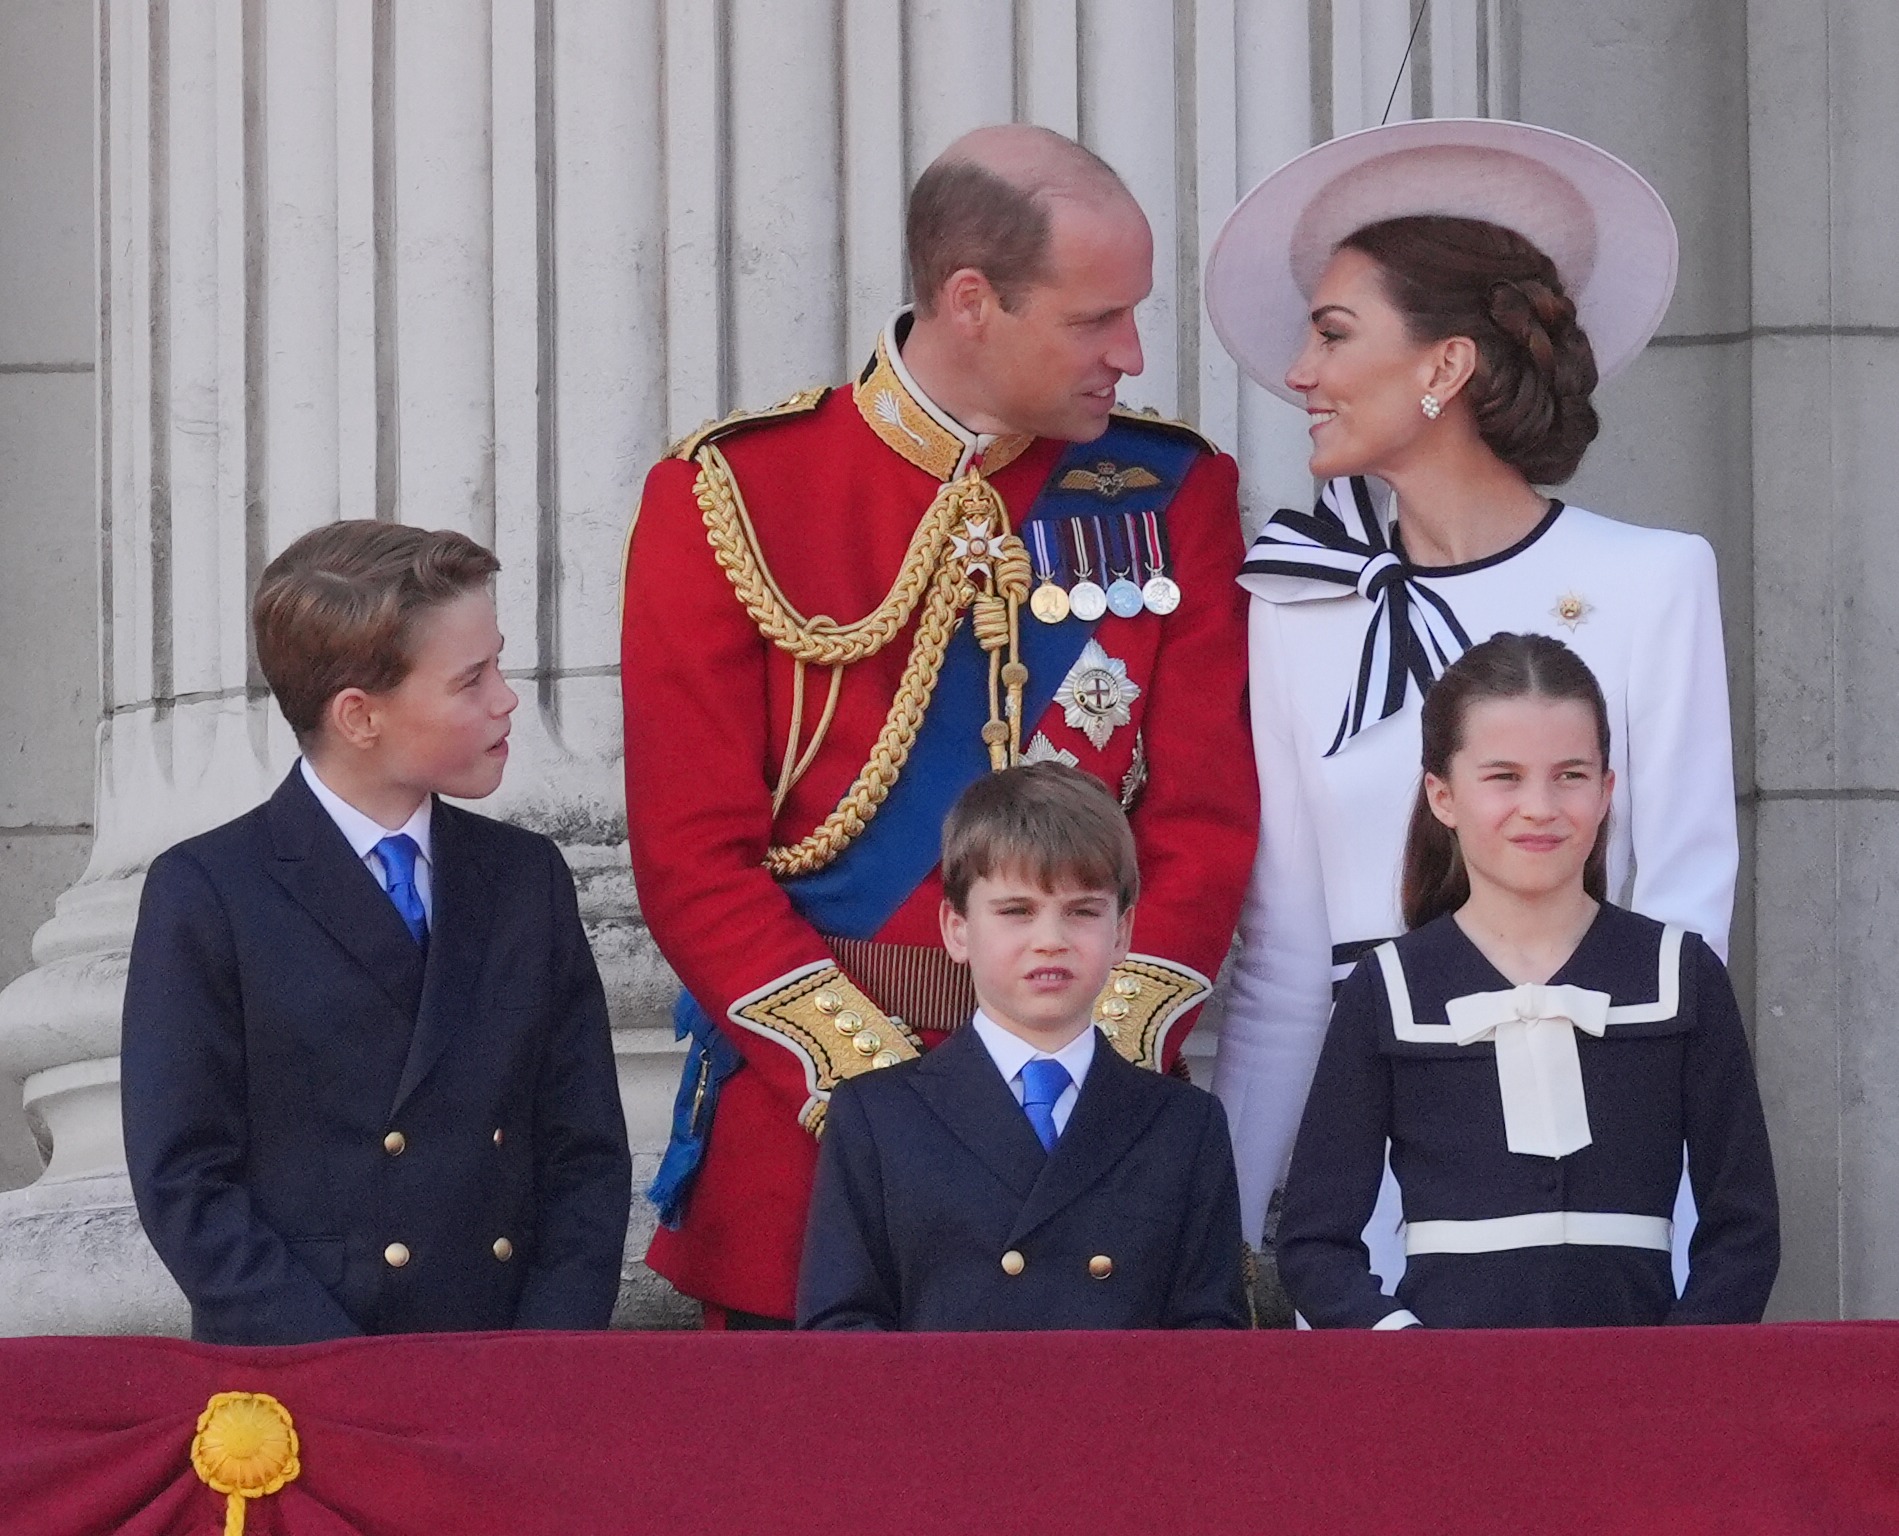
[967,301]
[955,926]
[351,716]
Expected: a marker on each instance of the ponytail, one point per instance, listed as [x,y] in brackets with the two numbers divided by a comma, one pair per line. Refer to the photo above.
[1435,880]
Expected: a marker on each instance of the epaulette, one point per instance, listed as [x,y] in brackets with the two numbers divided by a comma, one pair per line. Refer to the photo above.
[800,404]
[1147,416]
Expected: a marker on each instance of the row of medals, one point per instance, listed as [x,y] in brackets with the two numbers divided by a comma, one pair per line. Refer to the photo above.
[1088,600]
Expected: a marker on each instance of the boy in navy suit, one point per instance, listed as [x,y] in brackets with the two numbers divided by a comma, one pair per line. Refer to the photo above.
[1019,1176]
[367,1075]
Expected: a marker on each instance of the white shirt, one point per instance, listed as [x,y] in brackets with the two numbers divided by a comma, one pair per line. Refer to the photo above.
[363,833]
[1333,829]
[974,443]
[1011,1053]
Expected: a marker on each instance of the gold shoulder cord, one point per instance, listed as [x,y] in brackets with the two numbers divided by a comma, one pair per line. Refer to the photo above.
[962,555]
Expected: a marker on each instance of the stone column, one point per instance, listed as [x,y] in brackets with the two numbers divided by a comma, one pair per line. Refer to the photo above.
[1825,366]
[472,263]
[354,260]
[48,489]
[1662,84]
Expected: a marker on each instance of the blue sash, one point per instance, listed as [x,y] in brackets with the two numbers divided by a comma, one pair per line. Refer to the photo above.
[856,894]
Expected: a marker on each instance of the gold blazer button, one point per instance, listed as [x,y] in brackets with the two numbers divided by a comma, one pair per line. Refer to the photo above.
[1101,1266]
[394,1143]
[504,1250]
[1013,1263]
[396,1255]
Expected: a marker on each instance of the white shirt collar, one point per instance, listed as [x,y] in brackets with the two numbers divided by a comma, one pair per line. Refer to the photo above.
[1009,1051]
[364,832]
[973,442]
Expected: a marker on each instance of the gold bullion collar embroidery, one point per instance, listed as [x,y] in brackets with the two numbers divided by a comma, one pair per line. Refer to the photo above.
[915,426]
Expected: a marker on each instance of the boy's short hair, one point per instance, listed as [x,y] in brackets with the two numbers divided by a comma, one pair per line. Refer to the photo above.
[337,608]
[1046,820]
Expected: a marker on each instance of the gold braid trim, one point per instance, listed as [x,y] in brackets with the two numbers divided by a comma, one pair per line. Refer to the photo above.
[1143,1000]
[819,640]
[935,573]
[1146,415]
[892,748]
[820,1015]
[802,403]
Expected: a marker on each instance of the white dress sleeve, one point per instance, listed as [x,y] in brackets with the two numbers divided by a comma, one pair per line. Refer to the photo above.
[1681,761]
[1282,983]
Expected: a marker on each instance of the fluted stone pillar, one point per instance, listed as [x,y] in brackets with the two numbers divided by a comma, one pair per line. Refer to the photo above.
[354,260]
[472,263]
[1824,354]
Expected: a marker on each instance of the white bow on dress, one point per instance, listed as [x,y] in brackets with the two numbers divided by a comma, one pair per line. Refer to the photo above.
[1538,1070]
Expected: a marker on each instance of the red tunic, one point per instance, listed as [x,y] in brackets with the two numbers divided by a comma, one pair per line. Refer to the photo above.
[708,703]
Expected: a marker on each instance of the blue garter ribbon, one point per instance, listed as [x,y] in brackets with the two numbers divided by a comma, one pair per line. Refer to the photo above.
[710,1060]
[857,893]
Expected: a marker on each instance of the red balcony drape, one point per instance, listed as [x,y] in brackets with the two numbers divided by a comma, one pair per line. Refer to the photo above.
[1787,1428]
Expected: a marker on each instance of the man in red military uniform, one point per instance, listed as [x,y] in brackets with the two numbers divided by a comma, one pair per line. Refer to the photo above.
[839,612]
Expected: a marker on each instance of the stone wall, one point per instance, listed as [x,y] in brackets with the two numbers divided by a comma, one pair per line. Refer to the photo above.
[1823,350]
[474,264]
[49,557]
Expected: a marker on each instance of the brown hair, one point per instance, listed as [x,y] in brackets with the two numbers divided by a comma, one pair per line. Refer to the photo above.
[963,214]
[1046,820]
[337,609]
[1502,667]
[1535,368]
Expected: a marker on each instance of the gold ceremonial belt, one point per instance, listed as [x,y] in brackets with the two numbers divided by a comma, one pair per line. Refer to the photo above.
[924,988]
[917,983]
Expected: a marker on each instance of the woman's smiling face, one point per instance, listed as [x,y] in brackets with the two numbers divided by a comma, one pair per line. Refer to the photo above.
[1362,374]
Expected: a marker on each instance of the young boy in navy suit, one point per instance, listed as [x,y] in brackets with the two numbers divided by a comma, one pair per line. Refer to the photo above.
[367,1075]
[1023,1175]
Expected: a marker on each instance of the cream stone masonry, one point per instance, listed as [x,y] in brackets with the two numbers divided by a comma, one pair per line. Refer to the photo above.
[360,259]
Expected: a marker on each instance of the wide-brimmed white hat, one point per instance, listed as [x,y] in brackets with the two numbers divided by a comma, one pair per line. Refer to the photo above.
[1606,229]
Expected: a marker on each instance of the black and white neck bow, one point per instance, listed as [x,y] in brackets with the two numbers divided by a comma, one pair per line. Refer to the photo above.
[1342,546]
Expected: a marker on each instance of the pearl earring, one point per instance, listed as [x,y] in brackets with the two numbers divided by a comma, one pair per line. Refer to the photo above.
[1432,407]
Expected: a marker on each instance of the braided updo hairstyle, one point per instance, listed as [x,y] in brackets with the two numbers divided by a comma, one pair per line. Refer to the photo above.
[1535,368]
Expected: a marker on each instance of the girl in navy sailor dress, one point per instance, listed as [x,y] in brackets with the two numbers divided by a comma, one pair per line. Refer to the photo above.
[1537,1057]
[1423,292]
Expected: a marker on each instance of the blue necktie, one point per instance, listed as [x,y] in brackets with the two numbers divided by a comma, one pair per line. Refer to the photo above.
[1043,1081]
[398,855]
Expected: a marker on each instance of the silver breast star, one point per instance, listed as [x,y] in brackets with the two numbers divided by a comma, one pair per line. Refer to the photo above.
[1096,695]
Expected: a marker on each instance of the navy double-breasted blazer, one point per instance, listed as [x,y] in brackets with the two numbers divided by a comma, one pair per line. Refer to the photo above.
[330,1134]
[936,1208]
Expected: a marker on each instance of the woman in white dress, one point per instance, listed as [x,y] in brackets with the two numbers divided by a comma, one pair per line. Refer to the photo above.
[1441,298]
